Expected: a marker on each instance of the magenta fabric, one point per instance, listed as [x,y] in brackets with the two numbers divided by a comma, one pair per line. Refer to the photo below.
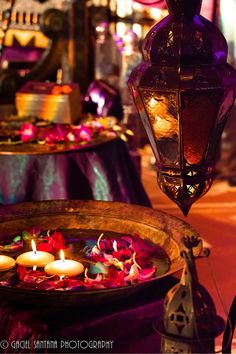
[102,172]
[154,3]
[22,54]
[128,324]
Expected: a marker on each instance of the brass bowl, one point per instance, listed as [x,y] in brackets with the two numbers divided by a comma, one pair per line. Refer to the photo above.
[98,216]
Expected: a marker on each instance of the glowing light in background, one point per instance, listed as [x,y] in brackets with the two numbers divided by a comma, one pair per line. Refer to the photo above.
[121,29]
[156,13]
[227,11]
[137,29]
[137,7]
[124,8]
[207,9]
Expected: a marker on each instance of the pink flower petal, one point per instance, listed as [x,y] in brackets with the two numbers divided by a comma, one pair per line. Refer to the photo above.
[28,132]
[133,274]
[57,241]
[44,246]
[147,273]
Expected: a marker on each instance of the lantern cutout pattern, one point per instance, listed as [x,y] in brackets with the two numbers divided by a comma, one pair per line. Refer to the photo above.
[190,321]
[184,90]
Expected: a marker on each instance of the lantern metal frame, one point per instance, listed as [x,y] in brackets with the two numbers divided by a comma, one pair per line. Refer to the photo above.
[185,56]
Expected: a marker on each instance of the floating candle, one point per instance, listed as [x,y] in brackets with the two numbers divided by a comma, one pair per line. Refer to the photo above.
[34,258]
[6,263]
[64,267]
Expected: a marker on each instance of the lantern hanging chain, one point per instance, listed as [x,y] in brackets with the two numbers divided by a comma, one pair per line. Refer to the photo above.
[6,22]
[223,306]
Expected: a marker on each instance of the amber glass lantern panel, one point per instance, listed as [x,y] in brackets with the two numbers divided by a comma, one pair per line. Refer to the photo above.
[199,112]
[162,112]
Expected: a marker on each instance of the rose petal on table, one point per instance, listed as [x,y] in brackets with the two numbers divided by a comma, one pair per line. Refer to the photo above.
[133,274]
[147,273]
[22,271]
[116,278]
[84,133]
[95,250]
[44,246]
[28,132]
[56,241]
[13,247]
[122,255]
[92,281]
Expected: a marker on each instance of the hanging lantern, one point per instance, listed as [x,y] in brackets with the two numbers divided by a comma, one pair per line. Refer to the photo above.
[190,322]
[184,90]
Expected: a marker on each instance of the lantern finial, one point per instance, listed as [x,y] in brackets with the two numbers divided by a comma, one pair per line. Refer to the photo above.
[184,8]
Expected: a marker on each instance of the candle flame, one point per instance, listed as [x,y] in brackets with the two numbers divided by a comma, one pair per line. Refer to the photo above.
[62,256]
[33,245]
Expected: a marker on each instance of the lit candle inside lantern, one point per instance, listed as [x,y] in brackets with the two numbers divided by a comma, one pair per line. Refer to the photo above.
[64,267]
[34,258]
[6,263]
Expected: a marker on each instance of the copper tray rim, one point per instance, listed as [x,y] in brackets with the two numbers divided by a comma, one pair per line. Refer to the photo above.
[57,148]
[26,210]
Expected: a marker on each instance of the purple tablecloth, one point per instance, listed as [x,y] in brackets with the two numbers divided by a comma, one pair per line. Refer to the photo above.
[103,172]
[125,327]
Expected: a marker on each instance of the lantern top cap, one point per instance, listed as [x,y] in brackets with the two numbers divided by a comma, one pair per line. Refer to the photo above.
[184,38]
[184,8]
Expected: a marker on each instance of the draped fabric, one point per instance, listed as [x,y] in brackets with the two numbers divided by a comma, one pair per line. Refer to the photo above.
[129,325]
[103,172]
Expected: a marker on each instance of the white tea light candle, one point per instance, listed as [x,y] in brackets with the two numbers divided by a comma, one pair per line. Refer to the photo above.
[6,263]
[34,258]
[64,267]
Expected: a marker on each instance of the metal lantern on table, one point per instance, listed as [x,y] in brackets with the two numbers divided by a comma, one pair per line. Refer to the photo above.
[183,91]
[190,322]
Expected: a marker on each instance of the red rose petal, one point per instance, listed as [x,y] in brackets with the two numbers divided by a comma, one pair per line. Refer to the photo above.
[146,273]
[44,246]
